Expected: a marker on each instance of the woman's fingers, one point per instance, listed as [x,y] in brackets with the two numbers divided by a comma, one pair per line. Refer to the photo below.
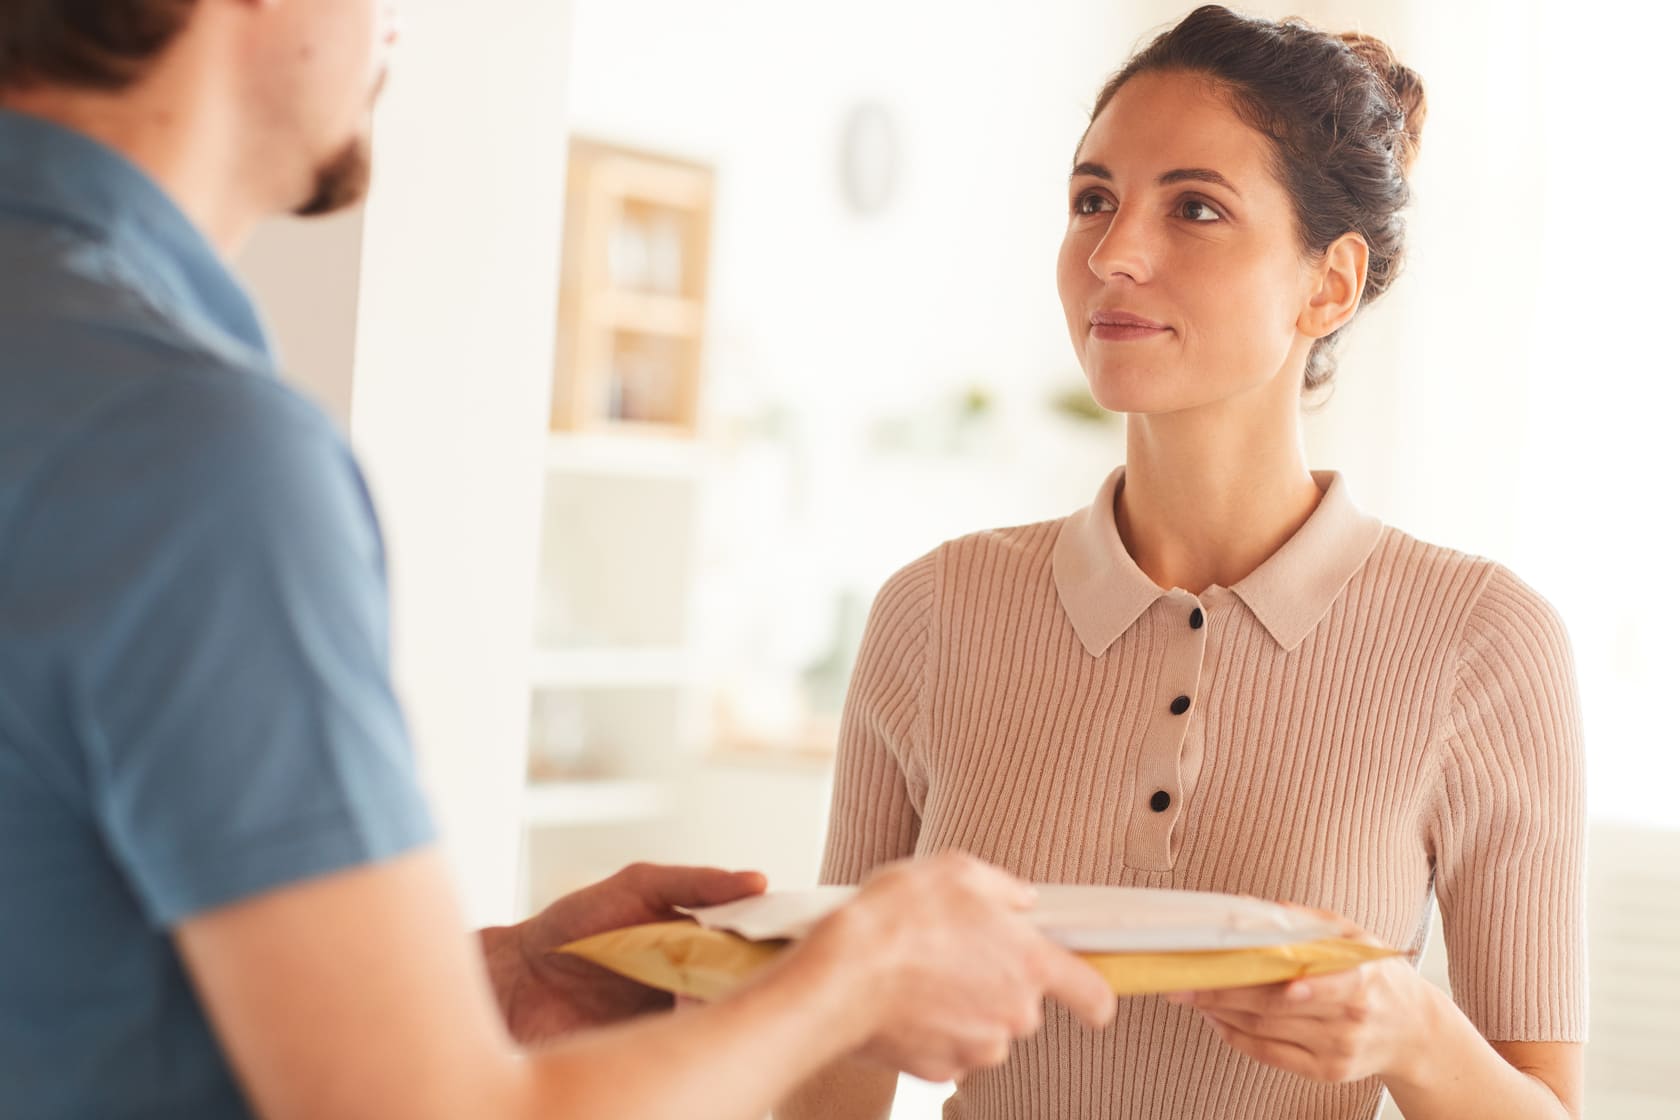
[1278,1053]
[1346,928]
[1317,1036]
[1323,997]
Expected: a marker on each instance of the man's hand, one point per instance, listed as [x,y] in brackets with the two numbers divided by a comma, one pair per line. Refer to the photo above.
[544,995]
[950,970]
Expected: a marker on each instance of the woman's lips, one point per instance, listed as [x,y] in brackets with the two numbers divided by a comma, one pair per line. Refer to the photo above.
[1123,326]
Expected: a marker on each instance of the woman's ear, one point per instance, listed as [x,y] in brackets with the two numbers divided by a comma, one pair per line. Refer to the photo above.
[1340,277]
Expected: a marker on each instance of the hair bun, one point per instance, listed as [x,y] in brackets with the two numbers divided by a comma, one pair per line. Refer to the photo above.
[1404,87]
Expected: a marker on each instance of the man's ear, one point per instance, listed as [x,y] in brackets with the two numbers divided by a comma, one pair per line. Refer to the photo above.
[1340,281]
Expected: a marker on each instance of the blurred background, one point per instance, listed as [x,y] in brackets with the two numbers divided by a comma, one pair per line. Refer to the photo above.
[672,329]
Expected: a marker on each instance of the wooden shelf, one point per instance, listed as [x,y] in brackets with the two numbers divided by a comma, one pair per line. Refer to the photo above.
[611,668]
[654,180]
[574,803]
[646,313]
[633,289]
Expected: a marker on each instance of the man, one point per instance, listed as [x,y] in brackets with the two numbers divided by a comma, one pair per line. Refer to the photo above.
[220,891]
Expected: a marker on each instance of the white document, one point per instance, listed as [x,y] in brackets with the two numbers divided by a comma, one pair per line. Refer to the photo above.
[1084,919]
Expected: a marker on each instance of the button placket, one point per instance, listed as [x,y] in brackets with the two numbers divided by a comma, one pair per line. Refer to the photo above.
[1159,788]
[1193,752]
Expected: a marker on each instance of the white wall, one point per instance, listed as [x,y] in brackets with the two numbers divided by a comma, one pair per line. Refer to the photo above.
[453,360]
[429,321]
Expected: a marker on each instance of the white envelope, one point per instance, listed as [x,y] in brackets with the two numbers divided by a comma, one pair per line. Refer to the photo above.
[1084,919]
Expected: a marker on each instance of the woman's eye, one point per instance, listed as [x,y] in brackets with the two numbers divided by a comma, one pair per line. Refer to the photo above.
[1197,211]
[1090,203]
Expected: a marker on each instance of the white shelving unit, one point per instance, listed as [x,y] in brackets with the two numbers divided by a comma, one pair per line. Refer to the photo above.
[617,703]
[620,763]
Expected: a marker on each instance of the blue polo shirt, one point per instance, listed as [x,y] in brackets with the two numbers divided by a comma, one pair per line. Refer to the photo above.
[195,697]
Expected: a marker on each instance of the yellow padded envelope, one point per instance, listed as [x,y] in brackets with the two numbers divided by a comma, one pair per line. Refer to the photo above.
[705,964]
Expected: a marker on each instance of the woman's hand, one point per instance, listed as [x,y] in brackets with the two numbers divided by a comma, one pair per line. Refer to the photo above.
[1343,1026]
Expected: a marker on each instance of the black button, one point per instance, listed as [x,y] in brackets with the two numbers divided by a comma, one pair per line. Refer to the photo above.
[1197,618]
[1160,801]
[1181,705]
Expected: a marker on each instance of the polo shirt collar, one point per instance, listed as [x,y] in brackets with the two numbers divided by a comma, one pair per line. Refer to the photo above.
[1104,592]
[55,175]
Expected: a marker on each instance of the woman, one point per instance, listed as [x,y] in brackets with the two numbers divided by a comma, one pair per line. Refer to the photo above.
[1221,675]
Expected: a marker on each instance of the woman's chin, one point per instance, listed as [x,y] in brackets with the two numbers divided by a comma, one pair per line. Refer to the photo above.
[1135,390]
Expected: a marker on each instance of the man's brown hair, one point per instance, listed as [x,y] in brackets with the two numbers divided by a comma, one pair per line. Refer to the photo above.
[98,44]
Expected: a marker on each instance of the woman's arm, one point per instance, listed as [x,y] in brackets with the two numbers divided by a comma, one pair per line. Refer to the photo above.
[1462,1074]
[1559,1066]
[1506,841]
[1385,1020]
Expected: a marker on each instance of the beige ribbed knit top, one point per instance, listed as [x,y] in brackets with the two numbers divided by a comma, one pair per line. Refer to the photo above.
[1362,722]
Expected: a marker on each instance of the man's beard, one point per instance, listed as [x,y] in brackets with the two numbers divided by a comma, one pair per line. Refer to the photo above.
[342,181]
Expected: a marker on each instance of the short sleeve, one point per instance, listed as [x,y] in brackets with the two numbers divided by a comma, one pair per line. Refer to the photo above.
[874,818]
[1509,827]
[215,570]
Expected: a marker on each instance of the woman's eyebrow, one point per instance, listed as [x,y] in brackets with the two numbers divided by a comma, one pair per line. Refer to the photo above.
[1197,175]
[1166,179]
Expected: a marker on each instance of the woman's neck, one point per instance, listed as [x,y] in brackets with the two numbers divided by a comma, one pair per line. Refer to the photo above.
[1211,493]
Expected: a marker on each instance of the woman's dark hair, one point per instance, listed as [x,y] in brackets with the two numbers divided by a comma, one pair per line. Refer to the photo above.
[1344,116]
[98,44]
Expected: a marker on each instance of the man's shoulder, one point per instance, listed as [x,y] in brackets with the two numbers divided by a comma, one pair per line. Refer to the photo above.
[96,428]
[93,364]
[103,401]
[79,322]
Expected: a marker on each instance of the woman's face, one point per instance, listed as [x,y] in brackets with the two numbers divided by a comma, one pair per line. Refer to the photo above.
[1181,275]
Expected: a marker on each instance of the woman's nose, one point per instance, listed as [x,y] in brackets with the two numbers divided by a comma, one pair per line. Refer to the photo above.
[1123,251]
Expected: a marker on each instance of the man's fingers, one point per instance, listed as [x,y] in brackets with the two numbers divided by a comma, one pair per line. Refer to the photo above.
[670,887]
[987,880]
[993,1051]
[1078,987]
